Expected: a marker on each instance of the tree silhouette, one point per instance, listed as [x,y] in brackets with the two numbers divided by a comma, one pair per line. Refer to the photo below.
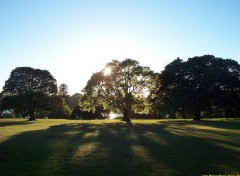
[28,89]
[199,84]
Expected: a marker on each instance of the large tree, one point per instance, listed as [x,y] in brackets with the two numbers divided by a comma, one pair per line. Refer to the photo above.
[118,87]
[28,89]
[199,84]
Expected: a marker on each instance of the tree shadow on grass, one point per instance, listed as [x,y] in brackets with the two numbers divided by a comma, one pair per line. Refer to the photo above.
[117,149]
[189,153]
[12,123]
[231,124]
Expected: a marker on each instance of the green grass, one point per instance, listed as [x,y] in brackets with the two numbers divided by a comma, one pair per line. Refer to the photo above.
[110,147]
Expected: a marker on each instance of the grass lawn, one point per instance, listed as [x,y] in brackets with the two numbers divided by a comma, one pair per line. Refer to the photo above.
[110,147]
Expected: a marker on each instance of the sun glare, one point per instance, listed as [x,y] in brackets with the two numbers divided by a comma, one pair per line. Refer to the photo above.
[107,71]
[113,116]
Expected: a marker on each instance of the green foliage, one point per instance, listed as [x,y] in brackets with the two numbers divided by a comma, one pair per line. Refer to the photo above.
[25,80]
[60,109]
[99,113]
[63,90]
[119,91]
[74,100]
[155,98]
[203,86]
[81,114]
[28,89]
[1,108]
[200,84]
[9,115]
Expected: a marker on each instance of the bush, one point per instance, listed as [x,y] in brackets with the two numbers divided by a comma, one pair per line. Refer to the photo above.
[9,115]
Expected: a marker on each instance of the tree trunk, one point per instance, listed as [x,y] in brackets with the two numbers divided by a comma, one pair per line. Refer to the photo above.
[126,117]
[182,112]
[197,115]
[31,113]
[228,112]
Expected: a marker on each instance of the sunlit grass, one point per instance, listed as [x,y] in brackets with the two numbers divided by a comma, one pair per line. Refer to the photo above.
[111,147]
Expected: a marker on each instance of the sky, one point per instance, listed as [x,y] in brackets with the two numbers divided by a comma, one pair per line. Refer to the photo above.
[73,39]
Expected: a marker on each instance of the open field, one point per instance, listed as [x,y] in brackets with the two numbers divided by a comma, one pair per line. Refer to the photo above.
[110,147]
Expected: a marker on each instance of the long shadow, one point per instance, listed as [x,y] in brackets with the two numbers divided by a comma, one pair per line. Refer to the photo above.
[116,149]
[187,154]
[13,123]
[224,124]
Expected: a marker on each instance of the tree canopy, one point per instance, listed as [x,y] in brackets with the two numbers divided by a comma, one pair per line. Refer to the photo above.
[74,100]
[200,84]
[204,86]
[28,89]
[118,86]
[63,90]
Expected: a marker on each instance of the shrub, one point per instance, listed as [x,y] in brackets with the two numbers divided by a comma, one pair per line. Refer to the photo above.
[9,115]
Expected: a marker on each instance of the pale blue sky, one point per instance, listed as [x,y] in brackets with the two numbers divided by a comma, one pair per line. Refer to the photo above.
[75,38]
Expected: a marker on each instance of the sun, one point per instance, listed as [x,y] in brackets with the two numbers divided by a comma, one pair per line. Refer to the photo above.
[107,71]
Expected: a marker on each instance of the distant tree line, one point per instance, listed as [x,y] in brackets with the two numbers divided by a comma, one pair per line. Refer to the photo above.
[201,87]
